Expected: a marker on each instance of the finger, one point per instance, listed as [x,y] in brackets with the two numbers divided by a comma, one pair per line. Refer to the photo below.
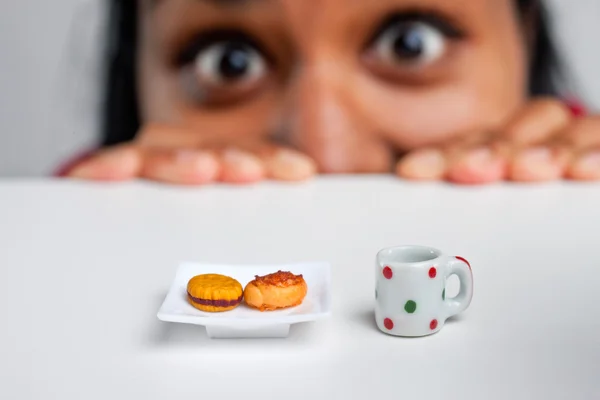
[287,165]
[584,133]
[539,164]
[114,164]
[583,138]
[585,167]
[423,165]
[239,166]
[478,165]
[539,121]
[184,167]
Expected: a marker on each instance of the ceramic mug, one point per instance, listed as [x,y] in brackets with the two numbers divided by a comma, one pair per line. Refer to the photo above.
[410,289]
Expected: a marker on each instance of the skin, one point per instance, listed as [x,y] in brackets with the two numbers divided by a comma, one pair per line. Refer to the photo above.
[330,102]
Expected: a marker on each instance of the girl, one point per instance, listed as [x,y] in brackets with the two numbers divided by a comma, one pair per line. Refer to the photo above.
[238,91]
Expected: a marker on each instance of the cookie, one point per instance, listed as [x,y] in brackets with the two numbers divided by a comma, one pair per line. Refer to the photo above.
[214,292]
[278,290]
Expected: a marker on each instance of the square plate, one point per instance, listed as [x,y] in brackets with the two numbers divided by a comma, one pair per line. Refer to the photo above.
[244,321]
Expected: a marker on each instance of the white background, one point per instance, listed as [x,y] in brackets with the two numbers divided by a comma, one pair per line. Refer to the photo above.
[49,64]
[84,272]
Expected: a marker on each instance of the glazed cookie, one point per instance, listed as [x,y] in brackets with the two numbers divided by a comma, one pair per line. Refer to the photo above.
[214,292]
[278,290]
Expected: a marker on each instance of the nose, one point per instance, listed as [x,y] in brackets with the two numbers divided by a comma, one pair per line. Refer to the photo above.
[326,125]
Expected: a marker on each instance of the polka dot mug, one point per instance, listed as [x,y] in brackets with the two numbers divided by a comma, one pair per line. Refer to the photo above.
[410,290]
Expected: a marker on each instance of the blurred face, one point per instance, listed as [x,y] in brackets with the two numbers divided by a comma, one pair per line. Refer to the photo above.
[351,83]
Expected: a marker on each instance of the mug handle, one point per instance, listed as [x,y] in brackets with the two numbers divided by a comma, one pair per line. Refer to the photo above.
[460,267]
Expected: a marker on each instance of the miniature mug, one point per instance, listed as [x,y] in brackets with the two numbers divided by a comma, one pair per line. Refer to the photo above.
[410,290]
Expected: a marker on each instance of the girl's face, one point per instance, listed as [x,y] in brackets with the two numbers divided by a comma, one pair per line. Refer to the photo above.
[351,83]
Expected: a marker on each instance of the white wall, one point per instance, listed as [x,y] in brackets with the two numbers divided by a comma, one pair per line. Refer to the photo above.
[577,25]
[47,94]
[47,75]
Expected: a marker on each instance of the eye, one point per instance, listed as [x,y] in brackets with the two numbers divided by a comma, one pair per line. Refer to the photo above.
[410,42]
[223,68]
[227,63]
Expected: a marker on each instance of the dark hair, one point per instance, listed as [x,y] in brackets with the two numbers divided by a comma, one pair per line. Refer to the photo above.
[546,72]
[120,114]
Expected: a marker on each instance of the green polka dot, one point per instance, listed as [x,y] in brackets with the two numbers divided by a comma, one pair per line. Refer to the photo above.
[410,306]
[444,294]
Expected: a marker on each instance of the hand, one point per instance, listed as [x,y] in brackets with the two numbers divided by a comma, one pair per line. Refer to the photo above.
[543,142]
[179,156]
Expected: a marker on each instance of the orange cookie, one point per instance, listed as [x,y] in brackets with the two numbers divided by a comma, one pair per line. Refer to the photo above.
[214,292]
[278,290]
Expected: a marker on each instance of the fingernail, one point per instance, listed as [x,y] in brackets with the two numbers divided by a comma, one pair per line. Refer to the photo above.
[539,161]
[183,157]
[537,164]
[242,162]
[480,158]
[200,163]
[287,164]
[425,164]
[480,165]
[589,164]
[538,156]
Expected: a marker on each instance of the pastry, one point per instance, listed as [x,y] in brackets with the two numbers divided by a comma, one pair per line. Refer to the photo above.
[278,290]
[214,292]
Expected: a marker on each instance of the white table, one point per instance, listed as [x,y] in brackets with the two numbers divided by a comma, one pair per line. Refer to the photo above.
[84,268]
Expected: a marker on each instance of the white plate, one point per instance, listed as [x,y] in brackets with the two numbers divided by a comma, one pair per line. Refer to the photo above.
[244,321]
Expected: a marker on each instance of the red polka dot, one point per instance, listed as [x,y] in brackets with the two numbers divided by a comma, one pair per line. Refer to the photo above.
[463,260]
[387,272]
[433,324]
[432,272]
[388,323]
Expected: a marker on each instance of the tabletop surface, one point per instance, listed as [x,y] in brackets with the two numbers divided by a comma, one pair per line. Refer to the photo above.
[84,268]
